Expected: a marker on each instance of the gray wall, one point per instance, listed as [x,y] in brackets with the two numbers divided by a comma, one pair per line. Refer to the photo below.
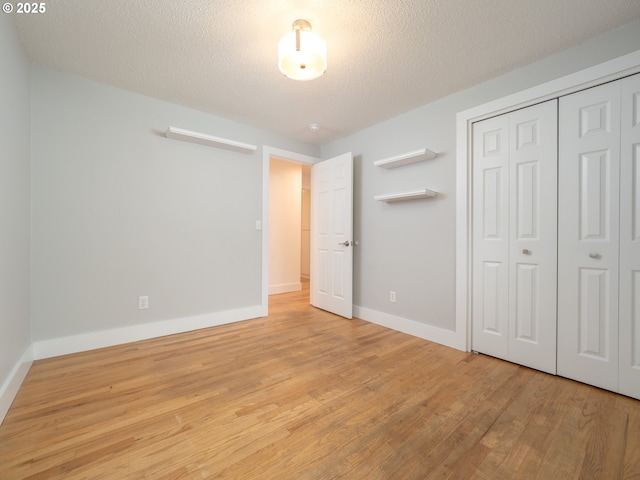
[121,211]
[410,247]
[14,198]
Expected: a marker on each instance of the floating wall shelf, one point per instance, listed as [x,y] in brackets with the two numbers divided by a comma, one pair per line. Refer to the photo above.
[413,195]
[406,158]
[210,140]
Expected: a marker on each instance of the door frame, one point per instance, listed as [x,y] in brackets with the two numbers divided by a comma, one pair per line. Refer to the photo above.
[267,153]
[590,77]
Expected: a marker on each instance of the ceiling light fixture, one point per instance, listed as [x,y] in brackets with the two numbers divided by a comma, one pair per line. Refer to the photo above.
[302,55]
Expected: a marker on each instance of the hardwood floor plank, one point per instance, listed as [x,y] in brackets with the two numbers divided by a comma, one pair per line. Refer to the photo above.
[308,395]
[631,463]
[523,415]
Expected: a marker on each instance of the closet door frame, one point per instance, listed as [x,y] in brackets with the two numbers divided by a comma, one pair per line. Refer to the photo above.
[590,77]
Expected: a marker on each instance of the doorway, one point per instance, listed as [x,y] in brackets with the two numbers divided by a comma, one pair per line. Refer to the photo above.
[289,225]
[331,230]
[283,273]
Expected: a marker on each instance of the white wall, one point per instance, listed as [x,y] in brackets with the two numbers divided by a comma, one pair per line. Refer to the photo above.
[410,247]
[15,208]
[305,235]
[121,211]
[285,217]
[305,254]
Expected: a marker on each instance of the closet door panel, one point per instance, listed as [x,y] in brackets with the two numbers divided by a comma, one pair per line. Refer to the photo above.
[594,314]
[491,231]
[588,235]
[533,236]
[630,238]
[515,236]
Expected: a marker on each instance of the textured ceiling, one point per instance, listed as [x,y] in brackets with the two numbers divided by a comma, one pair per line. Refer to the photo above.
[385,57]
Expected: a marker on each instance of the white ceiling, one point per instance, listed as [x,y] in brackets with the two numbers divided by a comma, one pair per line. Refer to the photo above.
[385,57]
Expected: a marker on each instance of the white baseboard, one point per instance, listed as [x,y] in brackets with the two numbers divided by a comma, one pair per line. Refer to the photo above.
[107,338]
[285,288]
[10,388]
[442,336]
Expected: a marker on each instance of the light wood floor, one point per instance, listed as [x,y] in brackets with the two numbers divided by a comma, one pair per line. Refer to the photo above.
[304,394]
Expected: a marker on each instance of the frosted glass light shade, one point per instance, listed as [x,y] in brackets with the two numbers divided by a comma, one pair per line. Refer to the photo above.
[306,63]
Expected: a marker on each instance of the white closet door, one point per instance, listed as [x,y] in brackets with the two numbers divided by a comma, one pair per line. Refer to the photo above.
[533,236]
[491,236]
[514,246]
[630,238]
[588,235]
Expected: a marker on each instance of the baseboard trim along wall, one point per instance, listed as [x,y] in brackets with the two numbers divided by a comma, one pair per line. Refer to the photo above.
[285,288]
[107,338]
[442,336]
[118,336]
[9,389]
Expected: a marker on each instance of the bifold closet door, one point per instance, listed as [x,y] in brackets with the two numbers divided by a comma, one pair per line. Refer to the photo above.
[588,235]
[629,312]
[491,237]
[515,235]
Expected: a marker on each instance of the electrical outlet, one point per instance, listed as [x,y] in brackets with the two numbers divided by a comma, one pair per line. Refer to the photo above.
[392,296]
[143,302]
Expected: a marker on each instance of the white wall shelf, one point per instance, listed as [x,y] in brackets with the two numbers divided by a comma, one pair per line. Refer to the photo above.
[406,158]
[210,140]
[412,195]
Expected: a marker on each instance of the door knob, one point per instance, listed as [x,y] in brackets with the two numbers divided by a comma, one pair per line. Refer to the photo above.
[595,255]
[345,244]
[526,251]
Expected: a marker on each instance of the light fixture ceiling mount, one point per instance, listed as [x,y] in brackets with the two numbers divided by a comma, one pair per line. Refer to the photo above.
[302,55]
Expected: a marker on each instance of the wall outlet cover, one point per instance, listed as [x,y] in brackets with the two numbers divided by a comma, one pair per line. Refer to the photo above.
[143,302]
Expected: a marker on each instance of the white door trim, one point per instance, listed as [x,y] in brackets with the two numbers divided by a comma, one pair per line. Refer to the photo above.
[267,153]
[604,72]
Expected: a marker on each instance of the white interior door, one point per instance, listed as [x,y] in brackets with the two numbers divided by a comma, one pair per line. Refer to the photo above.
[515,234]
[533,184]
[630,238]
[332,235]
[588,235]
